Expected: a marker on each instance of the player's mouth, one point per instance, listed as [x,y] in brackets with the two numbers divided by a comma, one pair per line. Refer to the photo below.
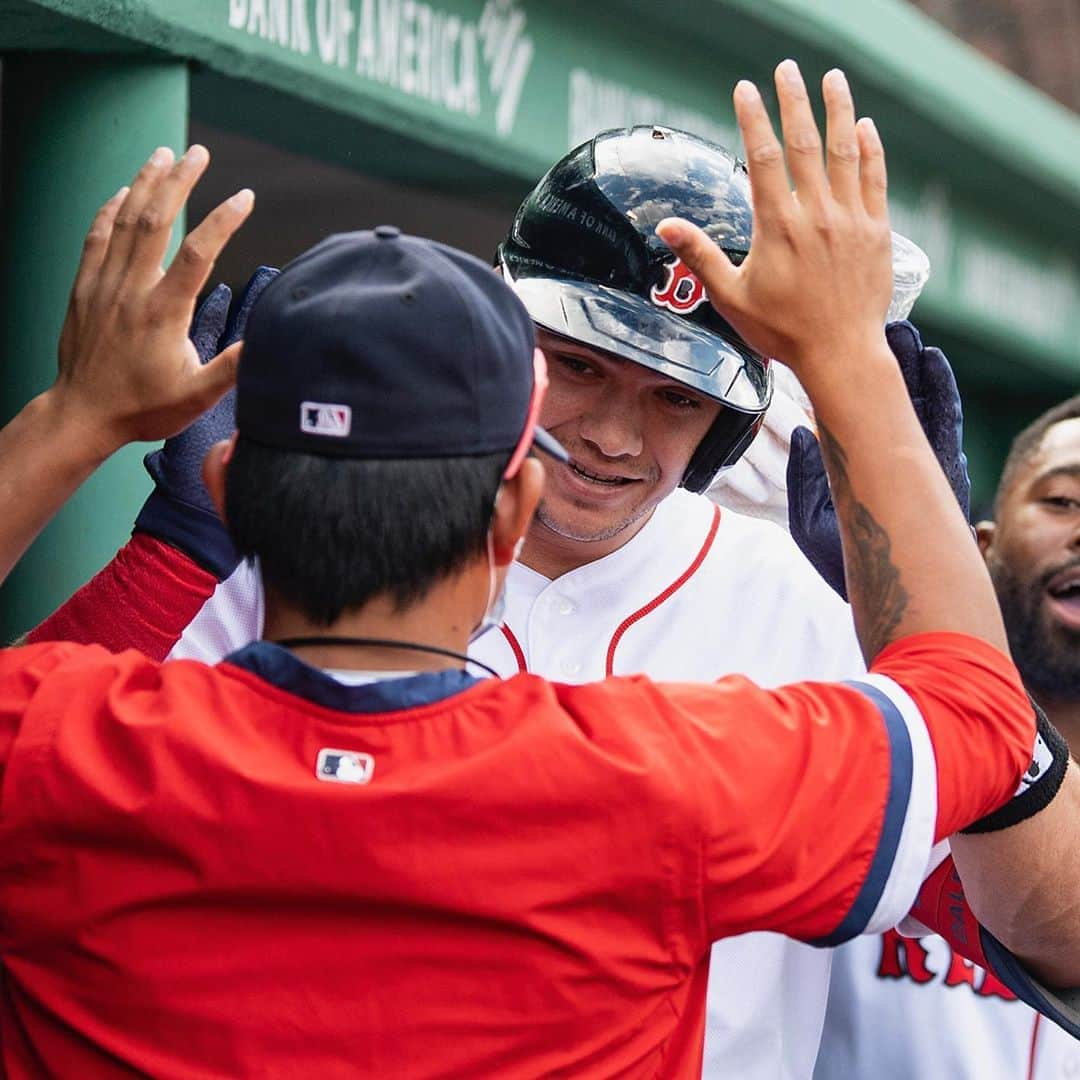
[602,479]
[1063,596]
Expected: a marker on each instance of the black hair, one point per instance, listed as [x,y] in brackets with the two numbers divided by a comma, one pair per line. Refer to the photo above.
[1027,443]
[330,534]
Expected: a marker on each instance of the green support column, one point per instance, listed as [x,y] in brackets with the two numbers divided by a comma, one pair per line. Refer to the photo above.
[74,128]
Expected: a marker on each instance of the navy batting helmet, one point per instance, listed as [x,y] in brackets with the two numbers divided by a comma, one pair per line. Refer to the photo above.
[583,256]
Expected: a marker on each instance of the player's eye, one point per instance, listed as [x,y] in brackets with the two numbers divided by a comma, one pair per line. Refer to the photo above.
[573,364]
[1060,502]
[680,401]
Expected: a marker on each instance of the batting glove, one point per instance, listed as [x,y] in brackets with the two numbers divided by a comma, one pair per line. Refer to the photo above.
[179,509]
[932,389]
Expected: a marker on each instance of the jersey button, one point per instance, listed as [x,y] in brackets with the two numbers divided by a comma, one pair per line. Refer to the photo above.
[571,667]
[565,606]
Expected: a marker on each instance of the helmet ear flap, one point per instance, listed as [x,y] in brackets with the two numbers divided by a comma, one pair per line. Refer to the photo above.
[724,443]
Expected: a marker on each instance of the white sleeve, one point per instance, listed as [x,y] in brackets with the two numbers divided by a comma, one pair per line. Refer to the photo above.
[230,619]
[899,868]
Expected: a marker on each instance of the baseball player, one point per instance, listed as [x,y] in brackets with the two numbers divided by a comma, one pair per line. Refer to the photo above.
[969,1025]
[627,569]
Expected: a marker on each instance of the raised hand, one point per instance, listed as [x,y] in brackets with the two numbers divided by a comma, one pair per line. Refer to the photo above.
[127,369]
[820,256]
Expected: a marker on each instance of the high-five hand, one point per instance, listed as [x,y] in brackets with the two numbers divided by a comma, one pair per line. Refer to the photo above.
[127,368]
[820,259]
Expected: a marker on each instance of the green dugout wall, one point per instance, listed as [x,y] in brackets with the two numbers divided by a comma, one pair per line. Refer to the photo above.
[475,98]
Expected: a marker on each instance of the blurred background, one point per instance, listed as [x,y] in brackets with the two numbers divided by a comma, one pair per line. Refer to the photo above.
[438,116]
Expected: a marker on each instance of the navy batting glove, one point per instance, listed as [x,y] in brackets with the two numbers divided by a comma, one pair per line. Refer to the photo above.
[179,509]
[932,388]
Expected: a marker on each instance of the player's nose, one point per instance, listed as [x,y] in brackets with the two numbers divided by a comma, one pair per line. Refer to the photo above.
[614,426]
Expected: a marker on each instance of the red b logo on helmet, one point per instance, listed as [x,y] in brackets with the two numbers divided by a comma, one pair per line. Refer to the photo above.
[682,292]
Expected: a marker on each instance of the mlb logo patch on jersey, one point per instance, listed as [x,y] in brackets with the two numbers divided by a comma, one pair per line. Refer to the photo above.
[344,766]
[323,418]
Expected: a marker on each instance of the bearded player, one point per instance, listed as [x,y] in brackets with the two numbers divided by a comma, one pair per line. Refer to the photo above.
[628,567]
[970,1026]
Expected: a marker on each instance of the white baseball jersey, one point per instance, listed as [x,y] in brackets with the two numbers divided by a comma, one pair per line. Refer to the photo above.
[698,593]
[901,1008]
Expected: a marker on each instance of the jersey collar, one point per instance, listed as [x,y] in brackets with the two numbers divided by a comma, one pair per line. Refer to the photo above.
[282,669]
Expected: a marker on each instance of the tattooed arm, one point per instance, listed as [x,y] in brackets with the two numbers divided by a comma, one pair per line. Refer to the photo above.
[813,292]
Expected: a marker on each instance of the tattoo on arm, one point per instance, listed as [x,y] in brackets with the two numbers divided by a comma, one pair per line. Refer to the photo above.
[873,581]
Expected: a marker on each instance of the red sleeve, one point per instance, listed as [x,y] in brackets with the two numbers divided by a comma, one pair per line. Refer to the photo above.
[820,801]
[981,723]
[815,812]
[143,599]
[21,672]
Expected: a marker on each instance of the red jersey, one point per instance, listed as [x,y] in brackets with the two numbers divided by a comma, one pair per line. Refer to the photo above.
[254,870]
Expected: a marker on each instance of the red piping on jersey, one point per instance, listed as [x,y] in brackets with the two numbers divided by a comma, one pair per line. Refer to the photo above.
[515,645]
[670,591]
[1034,1046]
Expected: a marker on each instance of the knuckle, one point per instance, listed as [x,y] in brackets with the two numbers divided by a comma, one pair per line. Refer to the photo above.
[804,142]
[150,220]
[766,154]
[124,222]
[95,237]
[845,151]
[191,253]
[877,182]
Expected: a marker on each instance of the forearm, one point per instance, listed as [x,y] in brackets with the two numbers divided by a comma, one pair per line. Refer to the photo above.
[45,454]
[143,599]
[1023,884]
[911,564]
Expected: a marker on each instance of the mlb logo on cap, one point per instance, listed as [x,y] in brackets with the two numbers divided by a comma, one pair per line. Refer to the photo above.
[321,418]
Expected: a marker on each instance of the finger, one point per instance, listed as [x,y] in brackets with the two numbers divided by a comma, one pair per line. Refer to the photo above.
[841,142]
[242,308]
[802,142]
[872,176]
[142,188]
[705,259]
[192,264]
[153,226]
[208,326]
[94,247]
[811,514]
[764,155]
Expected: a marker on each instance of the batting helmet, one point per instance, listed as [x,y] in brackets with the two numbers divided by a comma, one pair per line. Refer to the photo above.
[583,256]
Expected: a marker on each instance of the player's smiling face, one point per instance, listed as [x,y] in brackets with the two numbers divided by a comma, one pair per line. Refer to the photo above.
[630,433]
[1034,557]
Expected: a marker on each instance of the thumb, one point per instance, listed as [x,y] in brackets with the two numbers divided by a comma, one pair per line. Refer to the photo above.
[217,376]
[807,485]
[703,257]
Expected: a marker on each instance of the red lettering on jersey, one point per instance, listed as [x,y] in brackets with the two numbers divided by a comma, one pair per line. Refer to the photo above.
[992,986]
[960,971]
[682,292]
[903,957]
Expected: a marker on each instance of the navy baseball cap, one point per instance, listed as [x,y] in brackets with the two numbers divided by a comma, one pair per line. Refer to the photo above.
[381,345]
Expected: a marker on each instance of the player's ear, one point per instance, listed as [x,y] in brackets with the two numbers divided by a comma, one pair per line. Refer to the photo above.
[984,534]
[514,508]
[213,472]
